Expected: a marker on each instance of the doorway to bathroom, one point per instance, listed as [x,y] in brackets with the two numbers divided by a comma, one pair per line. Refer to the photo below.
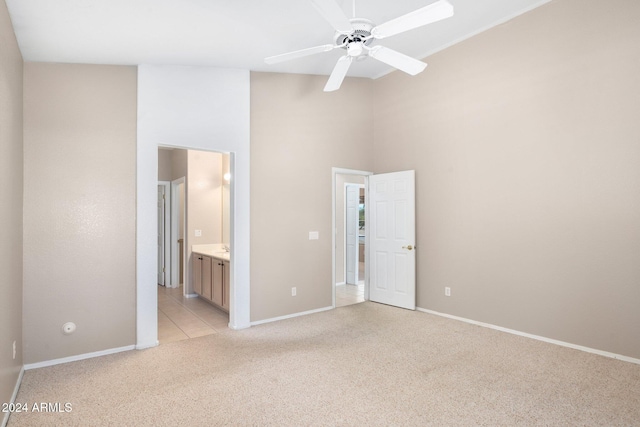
[199,218]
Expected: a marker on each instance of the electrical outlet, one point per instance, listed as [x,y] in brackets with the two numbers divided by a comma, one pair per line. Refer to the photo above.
[293,291]
[198,233]
[14,350]
[314,235]
[447,291]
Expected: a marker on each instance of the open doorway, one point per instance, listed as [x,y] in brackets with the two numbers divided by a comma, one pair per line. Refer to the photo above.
[201,108]
[354,233]
[350,277]
[178,218]
[164,233]
[199,228]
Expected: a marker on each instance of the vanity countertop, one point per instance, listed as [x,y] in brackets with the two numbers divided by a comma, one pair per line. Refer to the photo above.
[212,250]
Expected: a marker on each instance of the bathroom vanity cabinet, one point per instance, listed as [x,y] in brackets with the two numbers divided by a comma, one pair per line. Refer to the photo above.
[211,279]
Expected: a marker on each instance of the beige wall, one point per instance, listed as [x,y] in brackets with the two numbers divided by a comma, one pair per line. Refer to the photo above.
[526,149]
[178,164]
[10,207]
[298,133]
[165,172]
[79,208]
[172,164]
[179,170]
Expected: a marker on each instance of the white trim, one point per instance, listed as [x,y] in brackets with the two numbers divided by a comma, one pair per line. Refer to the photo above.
[535,337]
[145,346]
[77,357]
[175,247]
[471,34]
[335,171]
[168,266]
[290,316]
[5,419]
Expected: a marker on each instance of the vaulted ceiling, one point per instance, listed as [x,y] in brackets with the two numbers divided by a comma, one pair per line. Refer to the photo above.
[231,33]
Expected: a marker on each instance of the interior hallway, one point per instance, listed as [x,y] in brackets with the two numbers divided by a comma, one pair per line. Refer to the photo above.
[351,294]
[181,318]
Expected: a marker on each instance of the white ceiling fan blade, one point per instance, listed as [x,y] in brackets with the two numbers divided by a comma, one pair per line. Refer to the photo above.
[334,15]
[434,12]
[298,54]
[338,74]
[397,60]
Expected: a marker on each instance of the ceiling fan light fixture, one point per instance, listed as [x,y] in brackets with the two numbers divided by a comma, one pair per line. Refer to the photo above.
[357,34]
[354,49]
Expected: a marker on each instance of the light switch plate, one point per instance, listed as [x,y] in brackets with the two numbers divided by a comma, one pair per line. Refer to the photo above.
[314,235]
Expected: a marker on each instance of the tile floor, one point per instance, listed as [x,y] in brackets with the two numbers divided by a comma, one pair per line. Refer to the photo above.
[181,318]
[349,294]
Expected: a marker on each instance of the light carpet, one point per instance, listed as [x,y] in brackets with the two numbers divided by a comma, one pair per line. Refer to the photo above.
[361,365]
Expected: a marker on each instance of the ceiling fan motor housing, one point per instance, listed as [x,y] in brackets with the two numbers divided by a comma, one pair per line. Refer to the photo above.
[353,42]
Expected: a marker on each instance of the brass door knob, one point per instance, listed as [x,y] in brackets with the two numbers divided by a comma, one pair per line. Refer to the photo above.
[408,247]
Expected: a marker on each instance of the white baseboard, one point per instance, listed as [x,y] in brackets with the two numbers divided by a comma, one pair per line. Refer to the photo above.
[535,337]
[289,316]
[341,283]
[78,357]
[5,419]
[238,328]
[148,345]
[194,295]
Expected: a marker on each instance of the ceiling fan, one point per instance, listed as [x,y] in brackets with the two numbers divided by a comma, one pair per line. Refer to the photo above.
[357,35]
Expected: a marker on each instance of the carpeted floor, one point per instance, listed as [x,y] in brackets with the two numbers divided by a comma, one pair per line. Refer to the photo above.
[361,365]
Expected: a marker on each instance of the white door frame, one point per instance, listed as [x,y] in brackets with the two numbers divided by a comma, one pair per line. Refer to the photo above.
[175,232]
[167,232]
[336,171]
[347,219]
[146,241]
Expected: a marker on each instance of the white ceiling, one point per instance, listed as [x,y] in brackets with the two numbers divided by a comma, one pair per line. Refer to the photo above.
[230,33]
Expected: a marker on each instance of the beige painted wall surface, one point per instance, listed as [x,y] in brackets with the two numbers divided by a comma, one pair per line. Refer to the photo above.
[298,133]
[165,172]
[204,200]
[11,170]
[179,170]
[178,164]
[526,149]
[79,208]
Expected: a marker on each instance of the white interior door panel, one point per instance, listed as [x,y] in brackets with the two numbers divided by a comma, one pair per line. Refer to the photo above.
[393,260]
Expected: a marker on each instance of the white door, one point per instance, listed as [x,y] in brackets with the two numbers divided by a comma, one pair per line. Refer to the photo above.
[161,232]
[352,196]
[392,238]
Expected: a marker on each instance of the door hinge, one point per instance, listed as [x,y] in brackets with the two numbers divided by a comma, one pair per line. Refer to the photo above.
[163,269]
